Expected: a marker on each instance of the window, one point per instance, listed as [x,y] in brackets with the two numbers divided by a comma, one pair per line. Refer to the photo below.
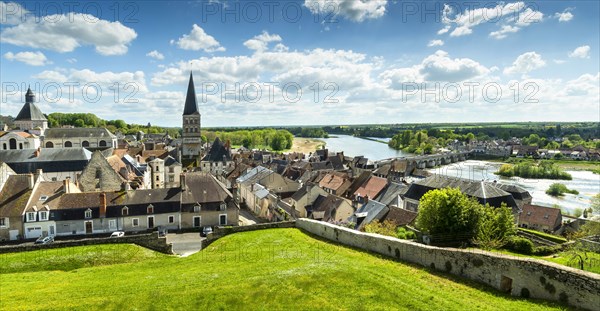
[43,216]
[223,206]
[223,219]
[171,179]
[150,209]
[112,224]
[197,221]
[3,222]
[4,146]
[49,145]
[197,208]
[31,216]
[102,143]
[171,219]
[88,213]
[135,222]
[43,198]
[125,211]
[85,143]
[68,144]
[157,177]
[171,169]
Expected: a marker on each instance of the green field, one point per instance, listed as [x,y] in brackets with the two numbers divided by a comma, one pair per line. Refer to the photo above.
[276,269]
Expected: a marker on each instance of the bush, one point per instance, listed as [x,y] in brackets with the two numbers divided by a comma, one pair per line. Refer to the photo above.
[546,250]
[405,234]
[496,226]
[557,189]
[520,245]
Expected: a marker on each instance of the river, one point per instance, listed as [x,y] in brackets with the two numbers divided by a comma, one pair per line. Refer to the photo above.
[587,183]
[354,146]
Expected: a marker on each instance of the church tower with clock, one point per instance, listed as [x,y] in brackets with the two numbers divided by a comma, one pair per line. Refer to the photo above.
[191,139]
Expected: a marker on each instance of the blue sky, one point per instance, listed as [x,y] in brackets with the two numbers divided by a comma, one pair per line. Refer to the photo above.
[380,61]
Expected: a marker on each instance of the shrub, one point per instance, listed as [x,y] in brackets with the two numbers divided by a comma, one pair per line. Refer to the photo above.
[404,234]
[384,228]
[496,226]
[558,189]
[546,250]
[520,245]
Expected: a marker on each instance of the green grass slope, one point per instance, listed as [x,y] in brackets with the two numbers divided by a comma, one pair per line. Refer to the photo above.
[276,269]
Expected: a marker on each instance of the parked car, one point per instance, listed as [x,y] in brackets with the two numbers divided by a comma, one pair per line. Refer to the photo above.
[206,230]
[44,240]
[117,234]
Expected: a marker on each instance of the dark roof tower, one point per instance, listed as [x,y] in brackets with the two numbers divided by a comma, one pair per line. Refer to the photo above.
[191,105]
[30,111]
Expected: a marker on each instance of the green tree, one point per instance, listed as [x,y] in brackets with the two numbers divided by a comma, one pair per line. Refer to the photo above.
[496,226]
[448,211]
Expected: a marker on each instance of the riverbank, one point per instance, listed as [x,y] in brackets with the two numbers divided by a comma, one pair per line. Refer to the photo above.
[306,145]
[566,165]
[372,139]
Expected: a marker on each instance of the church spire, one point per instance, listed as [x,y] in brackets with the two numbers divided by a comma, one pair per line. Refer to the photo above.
[191,105]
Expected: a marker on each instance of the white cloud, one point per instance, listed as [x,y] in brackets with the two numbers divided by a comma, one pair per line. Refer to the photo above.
[525,63]
[66,32]
[72,60]
[501,34]
[581,52]
[436,67]
[444,30]
[354,10]
[564,16]
[435,43]
[156,55]
[198,40]
[559,61]
[29,58]
[260,43]
[512,17]
[105,79]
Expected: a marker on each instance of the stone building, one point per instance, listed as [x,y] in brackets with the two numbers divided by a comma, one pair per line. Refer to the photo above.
[89,138]
[31,118]
[191,138]
[99,175]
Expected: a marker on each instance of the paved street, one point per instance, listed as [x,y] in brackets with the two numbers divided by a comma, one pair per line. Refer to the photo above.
[247,218]
[185,244]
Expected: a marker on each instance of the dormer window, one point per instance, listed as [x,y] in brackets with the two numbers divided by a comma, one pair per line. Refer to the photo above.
[125,211]
[223,206]
[150,209]
[43,216]
[31,216]
[88,213]
[197,208]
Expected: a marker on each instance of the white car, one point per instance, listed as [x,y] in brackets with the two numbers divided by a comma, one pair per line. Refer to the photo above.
[117,234]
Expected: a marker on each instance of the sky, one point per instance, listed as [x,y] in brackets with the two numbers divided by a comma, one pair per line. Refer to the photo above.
[312,62]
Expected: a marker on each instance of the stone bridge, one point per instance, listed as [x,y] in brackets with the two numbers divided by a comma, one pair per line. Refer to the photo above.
[428,161]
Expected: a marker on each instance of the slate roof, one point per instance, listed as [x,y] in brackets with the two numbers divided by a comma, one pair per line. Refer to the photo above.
[202,187]
[50,159]
[391,192]
[517,192]
[254,175]
[218,152]
[30,110]
[14,195]
[540,215]
[485,192]
[51,189]
[64,133]
[370,211]
[191,104]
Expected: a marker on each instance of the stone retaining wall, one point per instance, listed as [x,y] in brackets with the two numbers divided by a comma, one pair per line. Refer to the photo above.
[524,277]
[149,240]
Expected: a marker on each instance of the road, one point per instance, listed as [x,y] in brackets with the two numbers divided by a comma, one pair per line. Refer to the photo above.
[185,244]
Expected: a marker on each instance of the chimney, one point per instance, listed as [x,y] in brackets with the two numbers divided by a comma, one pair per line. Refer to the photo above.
[30,181]
[366,199]
[102,205]
[182,181]
[67,185]
[38,174]
[37,152]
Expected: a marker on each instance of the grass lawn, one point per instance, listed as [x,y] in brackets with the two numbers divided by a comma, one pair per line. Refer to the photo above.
[276,269]
[563,258]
